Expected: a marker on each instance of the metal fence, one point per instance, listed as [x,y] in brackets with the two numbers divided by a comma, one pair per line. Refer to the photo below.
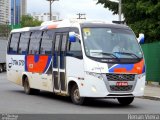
[152,59]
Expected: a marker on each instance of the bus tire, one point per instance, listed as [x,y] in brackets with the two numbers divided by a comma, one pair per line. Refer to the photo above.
[29,90]
[75,96]
[125,100]
[4,67]
[1,68]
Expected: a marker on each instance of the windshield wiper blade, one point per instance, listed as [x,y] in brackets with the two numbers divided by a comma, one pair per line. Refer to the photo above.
[109,54]
[126,53]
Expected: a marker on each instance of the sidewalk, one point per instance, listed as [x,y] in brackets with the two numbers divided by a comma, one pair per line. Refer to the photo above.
[152,92]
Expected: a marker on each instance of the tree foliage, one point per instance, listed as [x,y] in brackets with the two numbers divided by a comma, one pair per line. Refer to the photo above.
[143,16]
[29,21]
[4,30]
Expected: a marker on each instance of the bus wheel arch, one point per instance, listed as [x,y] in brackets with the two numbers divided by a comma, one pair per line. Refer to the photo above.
[27,89]
[74,93]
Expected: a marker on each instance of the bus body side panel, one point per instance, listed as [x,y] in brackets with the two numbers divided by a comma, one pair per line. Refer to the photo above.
[75,71]
[15,67]
[140,85]
[39,69]
[94,86]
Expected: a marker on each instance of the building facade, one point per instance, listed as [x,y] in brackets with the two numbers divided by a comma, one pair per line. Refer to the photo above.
[4,11]
[45,16]
[18,8]
[24,7]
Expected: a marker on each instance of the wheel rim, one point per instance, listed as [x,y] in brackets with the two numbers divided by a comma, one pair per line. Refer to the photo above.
[76,95]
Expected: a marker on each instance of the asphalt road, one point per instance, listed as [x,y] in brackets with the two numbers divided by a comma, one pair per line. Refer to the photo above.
[14,100]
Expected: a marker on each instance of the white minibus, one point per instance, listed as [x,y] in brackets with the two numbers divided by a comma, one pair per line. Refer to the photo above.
[80,59]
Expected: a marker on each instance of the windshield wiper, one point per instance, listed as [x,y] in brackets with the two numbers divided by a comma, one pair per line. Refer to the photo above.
[126,53]
[109,54]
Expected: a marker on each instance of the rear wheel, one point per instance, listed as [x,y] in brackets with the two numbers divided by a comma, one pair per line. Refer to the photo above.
[125,100]
[75,96]
[27,88]
[4,67]
[1,68]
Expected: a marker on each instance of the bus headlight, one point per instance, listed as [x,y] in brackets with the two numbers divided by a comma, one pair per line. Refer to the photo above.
[140,76]
[142,88]
[97,75]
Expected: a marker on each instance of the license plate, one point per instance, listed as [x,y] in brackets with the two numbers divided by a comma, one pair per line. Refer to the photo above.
[122,84]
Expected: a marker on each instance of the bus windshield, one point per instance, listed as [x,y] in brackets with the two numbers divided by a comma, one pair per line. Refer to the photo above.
[111,43]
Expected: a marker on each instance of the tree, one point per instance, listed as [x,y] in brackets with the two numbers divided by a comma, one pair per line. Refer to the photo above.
[29,21]
[143,16]
[4,30]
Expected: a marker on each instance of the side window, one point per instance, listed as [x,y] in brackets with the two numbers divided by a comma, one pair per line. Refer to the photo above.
[56,50]
[14,43]
[46,44]
[74,49]
[64,42]
[35,42]
[63,50]
[58,37]
[24,41]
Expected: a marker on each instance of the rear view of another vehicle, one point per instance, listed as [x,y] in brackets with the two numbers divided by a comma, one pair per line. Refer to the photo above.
[3,46]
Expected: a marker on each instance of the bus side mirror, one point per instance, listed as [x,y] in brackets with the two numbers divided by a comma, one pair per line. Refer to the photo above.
[141,38]
[72,36]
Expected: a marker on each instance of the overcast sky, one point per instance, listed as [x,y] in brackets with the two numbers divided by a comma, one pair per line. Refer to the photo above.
[69,9]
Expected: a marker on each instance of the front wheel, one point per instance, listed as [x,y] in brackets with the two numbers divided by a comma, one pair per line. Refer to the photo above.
[75,96]
[125,100]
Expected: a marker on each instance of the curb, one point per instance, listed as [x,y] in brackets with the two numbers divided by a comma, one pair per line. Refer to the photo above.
[153,84]
[156,98]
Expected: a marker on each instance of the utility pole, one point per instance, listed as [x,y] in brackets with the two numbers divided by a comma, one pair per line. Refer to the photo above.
[50,7]
[81,16]
[120,10]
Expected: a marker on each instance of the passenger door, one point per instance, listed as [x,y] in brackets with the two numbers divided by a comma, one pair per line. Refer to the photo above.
[59,64]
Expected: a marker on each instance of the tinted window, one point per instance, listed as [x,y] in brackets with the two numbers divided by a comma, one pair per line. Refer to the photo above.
[75,46]
[56,51]
[46,45]
[64,42]
[35,42]
[74,49]
[63,50]
[14,43]
[23,45]
[58,37]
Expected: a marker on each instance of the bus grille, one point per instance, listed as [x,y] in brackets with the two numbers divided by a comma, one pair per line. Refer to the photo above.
[121,88]
[120,77]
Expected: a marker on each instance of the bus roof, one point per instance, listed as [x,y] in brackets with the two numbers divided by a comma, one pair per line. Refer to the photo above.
[67,23]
